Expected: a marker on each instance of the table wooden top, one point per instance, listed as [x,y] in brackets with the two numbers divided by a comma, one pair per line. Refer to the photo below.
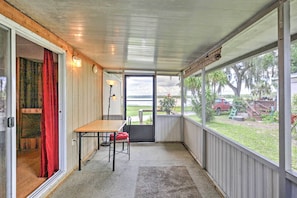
[102,126]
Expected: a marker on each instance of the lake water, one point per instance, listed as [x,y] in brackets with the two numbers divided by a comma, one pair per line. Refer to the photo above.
[146,102]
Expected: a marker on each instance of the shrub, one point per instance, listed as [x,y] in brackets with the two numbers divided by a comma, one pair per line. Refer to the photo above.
[167,104]
[239,104]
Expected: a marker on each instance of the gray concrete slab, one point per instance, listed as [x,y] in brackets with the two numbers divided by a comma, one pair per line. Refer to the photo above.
[96,179]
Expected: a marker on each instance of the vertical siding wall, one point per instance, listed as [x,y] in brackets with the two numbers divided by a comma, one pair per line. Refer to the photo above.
[83,87]
[83,106]
[294,188]
[193,139]
[168,128]
[236,171]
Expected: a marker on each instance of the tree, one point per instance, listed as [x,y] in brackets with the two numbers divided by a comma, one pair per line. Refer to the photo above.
[216,80]
[294,58]
[260,89]
[236,74]
[194,84]
[252,72]
[269,64]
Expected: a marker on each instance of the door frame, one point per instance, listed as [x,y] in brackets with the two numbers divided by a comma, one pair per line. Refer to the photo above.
[134,129]
[17,29]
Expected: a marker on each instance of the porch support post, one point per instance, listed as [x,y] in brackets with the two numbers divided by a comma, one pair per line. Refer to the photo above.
[203,119]
[284,45]
[182,106]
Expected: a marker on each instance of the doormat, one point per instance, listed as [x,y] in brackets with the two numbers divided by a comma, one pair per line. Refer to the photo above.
[168,181]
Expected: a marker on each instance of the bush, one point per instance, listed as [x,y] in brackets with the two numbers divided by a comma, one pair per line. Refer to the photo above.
[239,104]
[294,103]
[167,104]
[197,106]
[273,117]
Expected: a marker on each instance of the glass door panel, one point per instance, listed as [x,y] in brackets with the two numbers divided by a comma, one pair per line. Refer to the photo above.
[4,74]
[139,99]
[139,105]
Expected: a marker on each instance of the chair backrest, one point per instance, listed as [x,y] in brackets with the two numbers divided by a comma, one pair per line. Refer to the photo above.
[129,120]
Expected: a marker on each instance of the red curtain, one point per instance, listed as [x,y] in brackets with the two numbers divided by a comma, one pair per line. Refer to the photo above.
[49,123]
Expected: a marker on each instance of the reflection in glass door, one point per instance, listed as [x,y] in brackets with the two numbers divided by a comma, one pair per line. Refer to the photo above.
[4,74]
[139,104]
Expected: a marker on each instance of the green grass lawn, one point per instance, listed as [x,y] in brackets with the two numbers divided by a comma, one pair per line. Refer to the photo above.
[134,110]
[260,137]
[264,142]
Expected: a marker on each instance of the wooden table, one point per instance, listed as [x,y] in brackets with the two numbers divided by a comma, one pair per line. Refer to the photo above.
[99,126]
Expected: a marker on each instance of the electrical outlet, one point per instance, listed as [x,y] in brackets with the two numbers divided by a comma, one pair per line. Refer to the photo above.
[73,142]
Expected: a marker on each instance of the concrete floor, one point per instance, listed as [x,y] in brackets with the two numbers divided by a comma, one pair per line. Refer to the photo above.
[96,179]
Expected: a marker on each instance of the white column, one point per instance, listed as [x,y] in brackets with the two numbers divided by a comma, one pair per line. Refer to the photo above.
[203,118]
[284,96]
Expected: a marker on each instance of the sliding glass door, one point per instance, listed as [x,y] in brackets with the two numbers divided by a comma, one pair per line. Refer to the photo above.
[5,132]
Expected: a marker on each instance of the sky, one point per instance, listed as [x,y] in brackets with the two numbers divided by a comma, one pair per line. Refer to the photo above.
[143,85]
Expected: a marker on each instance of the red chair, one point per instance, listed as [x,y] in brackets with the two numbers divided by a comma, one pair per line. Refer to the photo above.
[121,137]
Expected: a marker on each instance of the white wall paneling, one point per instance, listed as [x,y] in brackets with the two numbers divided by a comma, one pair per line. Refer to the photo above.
[168,128]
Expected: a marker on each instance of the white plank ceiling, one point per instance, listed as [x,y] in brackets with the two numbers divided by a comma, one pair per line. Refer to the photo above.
[161,35]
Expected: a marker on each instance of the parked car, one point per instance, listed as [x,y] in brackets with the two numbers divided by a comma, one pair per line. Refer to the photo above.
[221,104]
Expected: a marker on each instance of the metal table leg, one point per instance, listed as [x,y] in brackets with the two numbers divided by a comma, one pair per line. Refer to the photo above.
[98,141]
[114,149]
[79,151]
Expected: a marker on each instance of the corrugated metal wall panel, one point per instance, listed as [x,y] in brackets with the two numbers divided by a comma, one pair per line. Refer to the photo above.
[168,129]
[267,182]
[275,184]
[259,173]
[193,139]
[294,189]
[236,171]
[251,177]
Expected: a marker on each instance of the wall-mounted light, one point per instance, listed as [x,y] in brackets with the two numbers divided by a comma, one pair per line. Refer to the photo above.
[94,69]
[76,61]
